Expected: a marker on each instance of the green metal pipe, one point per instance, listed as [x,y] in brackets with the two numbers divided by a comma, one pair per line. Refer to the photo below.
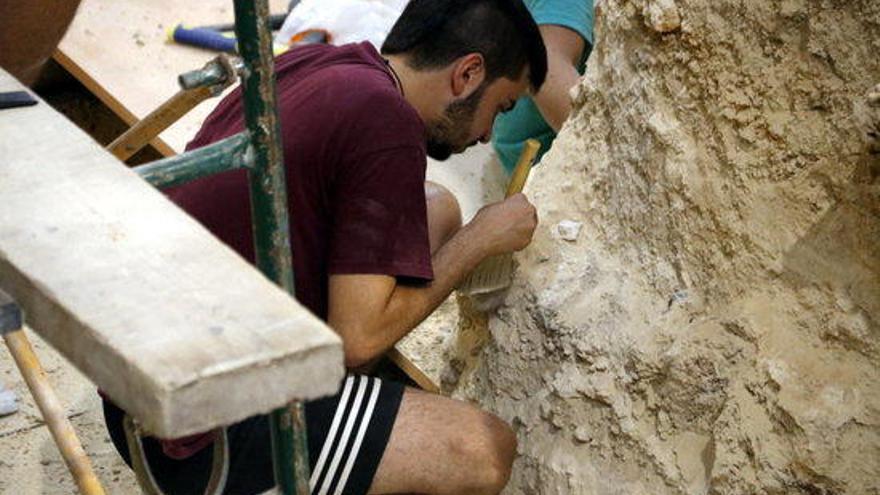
[270,216]
[229,154]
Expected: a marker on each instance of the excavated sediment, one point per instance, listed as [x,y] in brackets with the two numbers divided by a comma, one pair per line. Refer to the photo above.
[700,309]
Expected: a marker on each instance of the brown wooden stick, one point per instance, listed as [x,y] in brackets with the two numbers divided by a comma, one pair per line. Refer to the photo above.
[53,413]
[523,167]
[157,121]
[412,371]
[106,97]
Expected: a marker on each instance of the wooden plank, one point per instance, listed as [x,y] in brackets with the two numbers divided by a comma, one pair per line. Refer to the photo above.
[175,327]
[118,50]
[409,367]
[107,99]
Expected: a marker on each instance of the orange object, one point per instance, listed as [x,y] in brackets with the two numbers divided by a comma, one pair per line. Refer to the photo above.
[310,36]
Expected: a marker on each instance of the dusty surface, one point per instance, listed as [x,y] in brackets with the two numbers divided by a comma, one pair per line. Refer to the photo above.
[714,326]
[29,460]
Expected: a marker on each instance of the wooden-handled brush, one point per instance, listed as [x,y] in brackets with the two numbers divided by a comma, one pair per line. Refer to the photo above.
[494,273]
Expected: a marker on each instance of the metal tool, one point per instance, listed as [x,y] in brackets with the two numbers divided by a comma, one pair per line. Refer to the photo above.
[14,99]
[210,39]
[196,87]
[275,23]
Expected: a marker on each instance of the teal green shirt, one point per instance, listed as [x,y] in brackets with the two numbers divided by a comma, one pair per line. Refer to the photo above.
[525,121]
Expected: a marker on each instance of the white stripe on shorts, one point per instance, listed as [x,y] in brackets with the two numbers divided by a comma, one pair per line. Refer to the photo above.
[339,450]
[328,443]
[365,422]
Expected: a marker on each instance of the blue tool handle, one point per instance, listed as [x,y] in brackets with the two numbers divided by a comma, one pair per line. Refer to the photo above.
[203,38]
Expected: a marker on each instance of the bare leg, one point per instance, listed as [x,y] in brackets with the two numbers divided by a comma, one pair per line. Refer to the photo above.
[444,446]
[444,214]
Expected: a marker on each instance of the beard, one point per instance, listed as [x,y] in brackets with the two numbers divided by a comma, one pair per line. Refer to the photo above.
[449,133]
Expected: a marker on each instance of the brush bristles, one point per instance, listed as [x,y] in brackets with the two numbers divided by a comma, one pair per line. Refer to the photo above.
[491,275]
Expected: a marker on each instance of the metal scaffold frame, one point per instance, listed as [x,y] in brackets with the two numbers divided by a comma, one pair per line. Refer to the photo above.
[257,149]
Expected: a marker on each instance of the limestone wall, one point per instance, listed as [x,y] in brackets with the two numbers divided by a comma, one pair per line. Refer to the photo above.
[714,326]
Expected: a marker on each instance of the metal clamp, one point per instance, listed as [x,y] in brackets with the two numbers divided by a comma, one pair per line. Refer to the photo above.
[218,74]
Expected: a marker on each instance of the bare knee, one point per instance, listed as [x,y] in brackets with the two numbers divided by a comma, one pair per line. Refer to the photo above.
[504,453]
[490,449]
[443,446]
[444,214]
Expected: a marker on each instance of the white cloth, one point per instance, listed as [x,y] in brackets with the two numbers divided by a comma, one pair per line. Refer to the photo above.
[347,21]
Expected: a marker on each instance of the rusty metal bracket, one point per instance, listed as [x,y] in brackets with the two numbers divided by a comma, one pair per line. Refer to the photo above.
[218,74]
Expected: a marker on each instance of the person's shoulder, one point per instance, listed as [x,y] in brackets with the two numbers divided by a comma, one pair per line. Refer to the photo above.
[351,89]
[353,74]
[367,96]
[374,92]
[384,119]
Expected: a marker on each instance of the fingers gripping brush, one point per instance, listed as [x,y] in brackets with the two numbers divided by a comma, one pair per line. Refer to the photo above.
[494,273]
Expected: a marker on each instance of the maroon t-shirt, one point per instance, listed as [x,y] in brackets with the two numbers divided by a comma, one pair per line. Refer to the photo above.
[354,153]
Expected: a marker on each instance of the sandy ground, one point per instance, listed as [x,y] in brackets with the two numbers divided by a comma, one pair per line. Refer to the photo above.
[29,460]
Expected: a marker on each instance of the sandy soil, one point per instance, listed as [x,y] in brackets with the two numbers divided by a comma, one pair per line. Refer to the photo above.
[29,460]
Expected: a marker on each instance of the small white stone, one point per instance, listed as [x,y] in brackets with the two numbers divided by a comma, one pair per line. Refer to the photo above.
[874,96]
[582,434]
[569,230]
[8,403]
[662,15]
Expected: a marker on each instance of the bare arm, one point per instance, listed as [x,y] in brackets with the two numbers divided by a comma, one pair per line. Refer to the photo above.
[372,312]
[564,50]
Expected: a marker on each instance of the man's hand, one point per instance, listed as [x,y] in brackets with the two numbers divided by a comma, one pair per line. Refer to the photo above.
[372,312]
[506,226]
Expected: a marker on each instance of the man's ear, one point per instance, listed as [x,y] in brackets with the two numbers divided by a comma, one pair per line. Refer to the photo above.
[468,74]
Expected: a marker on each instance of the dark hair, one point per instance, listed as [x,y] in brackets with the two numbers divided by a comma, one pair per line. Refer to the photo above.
[434,33]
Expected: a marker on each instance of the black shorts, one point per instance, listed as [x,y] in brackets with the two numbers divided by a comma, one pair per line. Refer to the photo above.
[347,435]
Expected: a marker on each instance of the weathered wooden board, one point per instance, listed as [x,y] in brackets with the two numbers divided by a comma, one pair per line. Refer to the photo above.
[118,50]
[171,324]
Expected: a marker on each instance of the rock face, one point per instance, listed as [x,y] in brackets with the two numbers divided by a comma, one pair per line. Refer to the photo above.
[715,326]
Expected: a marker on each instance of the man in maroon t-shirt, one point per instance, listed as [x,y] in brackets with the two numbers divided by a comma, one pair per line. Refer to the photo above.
[375,248]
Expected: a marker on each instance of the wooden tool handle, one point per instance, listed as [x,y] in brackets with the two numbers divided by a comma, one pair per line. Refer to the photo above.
[157,121]
[523,167]
[53,413]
